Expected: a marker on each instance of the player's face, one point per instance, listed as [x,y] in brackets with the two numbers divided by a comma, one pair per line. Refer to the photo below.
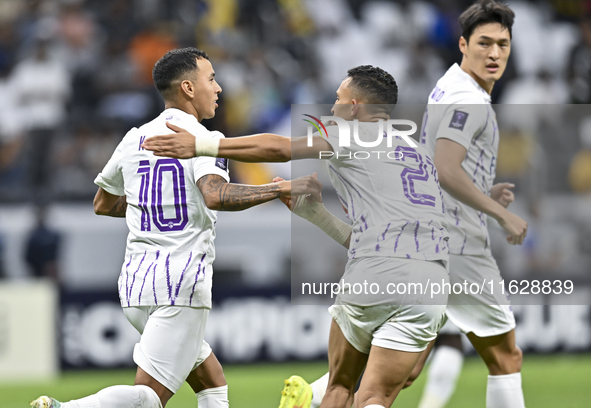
[343,104]
[486,55]
[206,90]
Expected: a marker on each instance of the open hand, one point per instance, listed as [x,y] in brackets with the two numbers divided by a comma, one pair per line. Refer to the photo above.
[179,145]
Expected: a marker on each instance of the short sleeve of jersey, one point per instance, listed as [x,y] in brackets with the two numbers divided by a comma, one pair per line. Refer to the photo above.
[110,178]
[461,123]
[203,165]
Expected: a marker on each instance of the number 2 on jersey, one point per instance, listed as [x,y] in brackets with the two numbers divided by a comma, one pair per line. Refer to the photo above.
[409,176]
[156,206]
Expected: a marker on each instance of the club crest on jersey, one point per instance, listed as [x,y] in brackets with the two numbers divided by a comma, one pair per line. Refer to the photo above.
[221,163]
[458,120]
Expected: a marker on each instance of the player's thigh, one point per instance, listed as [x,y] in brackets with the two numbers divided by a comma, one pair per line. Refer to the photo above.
[171,339]
[485,312]
[345,362]
[386,373]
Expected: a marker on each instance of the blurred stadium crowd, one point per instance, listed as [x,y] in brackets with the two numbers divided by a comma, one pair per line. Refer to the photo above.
[75,75]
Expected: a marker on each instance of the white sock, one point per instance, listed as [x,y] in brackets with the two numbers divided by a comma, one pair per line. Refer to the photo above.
[442,376]
[318,390]
[119,396]
[213,398]
[374,406]
[504,391]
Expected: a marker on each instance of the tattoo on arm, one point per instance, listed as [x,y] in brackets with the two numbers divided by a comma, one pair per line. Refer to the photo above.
[235,197]
[119,208]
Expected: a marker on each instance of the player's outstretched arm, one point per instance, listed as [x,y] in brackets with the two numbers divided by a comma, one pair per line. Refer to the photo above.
[109,204]
[264,147]
[223,196]
[313,210]
[452,177]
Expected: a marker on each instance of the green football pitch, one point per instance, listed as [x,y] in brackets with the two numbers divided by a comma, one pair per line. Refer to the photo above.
[549,381]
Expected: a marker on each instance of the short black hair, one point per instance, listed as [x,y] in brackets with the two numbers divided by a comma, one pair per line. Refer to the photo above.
[484,12]
[374,84]
[173,65]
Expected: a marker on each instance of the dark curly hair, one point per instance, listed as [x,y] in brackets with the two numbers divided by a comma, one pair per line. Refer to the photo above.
[484,12]
[173,65]
[374,84]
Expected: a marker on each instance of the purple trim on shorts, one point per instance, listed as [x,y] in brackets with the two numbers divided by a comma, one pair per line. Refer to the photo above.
[408,256]
[398,236]
[416,235]
[196,277]
[133,280]
[139,298]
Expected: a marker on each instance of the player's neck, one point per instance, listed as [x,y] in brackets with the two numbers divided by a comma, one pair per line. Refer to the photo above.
[185,107]
[487,86]
[374,117]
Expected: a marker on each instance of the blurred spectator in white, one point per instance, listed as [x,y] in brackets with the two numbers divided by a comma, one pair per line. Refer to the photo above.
[41,86]
[579,65]
[42,251]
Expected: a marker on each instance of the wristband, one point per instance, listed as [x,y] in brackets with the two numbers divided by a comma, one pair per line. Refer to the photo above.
[207,147]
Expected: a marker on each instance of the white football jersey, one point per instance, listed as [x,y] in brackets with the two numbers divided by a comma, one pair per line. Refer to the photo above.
[459,109]
[392,198]
[171,232]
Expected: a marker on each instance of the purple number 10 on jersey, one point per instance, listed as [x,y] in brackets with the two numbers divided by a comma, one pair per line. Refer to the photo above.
[409,176]
[177,177]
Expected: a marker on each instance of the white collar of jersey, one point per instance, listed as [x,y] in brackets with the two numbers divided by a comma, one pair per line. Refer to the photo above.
[175,112]
[457,70]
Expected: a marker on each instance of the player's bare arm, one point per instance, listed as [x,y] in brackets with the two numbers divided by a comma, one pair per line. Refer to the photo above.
[109,204]
[264,147]
[223,196]
[452,177]
[502,194]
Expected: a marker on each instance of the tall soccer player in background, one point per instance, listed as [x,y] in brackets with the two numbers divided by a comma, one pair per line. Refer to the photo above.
[397,235]
[460,132]
[171,208]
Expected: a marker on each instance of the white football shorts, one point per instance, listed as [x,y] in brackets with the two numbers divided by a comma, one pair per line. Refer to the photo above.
[171,343]
[405,326]
[487,314]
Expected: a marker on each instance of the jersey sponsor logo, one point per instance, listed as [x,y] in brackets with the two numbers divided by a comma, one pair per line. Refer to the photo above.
[458,120]
[221,163]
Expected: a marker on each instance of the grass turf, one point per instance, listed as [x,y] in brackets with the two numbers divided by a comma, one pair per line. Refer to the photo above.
[548,381]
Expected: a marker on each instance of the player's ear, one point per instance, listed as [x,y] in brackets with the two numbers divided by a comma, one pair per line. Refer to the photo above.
[354,107]
[188,88]
[463,44]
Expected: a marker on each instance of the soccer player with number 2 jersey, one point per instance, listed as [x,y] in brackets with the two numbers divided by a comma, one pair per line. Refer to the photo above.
[397,234]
